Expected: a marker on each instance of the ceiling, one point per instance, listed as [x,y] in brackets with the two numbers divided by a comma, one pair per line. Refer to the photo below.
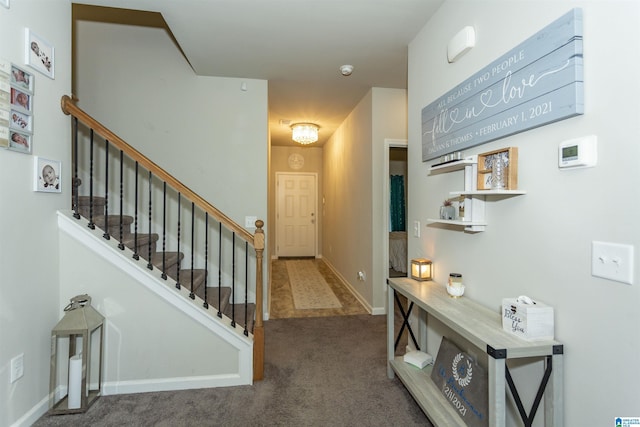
[297,45]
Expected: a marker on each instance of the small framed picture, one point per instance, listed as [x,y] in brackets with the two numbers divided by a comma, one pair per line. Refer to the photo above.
[19,141]
[47,175]
[21,121]
[39,54]
[509,162]
[21,79]
[20,100]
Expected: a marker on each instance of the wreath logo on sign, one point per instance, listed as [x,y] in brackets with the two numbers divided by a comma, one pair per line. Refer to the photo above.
[464,380]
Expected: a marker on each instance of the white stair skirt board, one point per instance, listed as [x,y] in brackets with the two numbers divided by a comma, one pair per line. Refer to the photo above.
[165,289]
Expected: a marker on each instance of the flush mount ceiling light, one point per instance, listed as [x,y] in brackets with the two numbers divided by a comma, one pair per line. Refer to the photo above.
[304,133]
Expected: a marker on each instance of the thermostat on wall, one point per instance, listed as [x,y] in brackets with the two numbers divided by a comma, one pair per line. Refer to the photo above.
[578,153]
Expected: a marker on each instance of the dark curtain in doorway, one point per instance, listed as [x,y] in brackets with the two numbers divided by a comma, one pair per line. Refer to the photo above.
[397,204]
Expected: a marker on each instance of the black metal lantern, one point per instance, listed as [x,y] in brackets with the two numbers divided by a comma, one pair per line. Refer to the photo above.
[82,325]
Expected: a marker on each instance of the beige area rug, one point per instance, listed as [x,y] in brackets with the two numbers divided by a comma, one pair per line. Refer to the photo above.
[309,289]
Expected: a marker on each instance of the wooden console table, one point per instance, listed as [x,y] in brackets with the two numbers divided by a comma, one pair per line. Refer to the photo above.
[482,327]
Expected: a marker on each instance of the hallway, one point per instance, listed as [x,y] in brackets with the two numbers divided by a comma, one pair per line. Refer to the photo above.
[282,304]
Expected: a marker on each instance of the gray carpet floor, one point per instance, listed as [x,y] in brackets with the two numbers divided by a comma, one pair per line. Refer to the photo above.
[326,371]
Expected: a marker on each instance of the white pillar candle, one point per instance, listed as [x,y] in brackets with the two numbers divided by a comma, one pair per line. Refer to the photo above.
[75,381]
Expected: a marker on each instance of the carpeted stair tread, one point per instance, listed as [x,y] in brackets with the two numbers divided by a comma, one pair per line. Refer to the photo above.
[172,261]
[238,311]
[84,205]
[143,243]
[113,224]
[214,297]
[194,282]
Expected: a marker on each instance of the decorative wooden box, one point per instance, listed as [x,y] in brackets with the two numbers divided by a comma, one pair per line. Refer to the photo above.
[531,320]
[485,166]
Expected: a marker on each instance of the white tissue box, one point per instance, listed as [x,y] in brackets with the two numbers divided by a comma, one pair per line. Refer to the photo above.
[418,358]
[532,321]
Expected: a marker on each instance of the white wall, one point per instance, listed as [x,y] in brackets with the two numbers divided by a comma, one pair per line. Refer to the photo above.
[353,191]
[539,244]
[29,296]
[205,131]
[347,240]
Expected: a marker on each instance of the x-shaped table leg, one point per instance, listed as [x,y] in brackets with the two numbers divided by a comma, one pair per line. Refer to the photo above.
[405,322]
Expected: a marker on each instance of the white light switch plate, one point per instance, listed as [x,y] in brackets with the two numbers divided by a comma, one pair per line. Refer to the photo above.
[250,221]
[612,261]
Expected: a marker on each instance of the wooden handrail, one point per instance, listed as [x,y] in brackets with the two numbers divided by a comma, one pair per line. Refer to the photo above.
[70,108]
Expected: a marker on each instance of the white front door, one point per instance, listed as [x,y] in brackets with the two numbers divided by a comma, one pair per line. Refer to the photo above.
[296,197]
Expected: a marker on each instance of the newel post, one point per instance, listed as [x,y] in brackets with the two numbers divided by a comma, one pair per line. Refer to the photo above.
[258,329]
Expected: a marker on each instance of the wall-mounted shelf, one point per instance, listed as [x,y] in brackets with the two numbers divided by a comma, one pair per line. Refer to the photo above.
[474,199]
[470,226]
[453,166]
[489,193]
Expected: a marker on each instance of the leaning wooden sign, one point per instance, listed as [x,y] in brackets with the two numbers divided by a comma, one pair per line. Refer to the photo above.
[538,82]
[463,383]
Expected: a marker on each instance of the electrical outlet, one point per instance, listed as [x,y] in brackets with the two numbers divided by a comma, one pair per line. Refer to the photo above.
[17,367]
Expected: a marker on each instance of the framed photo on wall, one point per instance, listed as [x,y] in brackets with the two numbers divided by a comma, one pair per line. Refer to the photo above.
[20,121]
[19,141]
[20,100]
[46,175]
[39,54]
[21,79]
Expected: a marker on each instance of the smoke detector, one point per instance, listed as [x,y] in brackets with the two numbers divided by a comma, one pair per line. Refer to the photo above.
[346,70]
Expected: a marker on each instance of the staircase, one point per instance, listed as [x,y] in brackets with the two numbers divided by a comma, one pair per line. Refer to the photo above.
[145,246]
[168,227]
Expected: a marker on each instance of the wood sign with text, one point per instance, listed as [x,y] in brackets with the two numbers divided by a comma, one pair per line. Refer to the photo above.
[463,383]
[538,82]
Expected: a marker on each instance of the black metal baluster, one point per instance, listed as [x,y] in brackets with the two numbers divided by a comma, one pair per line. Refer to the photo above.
[121,245]
[106,191]
[91,224]
[206,257]
[76,180]
[178,269]
[149,242]
[219,269]
[191,294]
[164,231]
[233,280]
[246,288]
[136,256]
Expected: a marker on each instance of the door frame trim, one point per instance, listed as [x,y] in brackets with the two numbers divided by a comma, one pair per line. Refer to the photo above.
[388,143]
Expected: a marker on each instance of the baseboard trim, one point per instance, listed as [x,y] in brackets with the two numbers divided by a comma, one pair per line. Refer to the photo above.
[171,384]
[351,289]
[34,414]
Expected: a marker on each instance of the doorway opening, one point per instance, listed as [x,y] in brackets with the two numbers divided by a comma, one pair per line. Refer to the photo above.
[395,207]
